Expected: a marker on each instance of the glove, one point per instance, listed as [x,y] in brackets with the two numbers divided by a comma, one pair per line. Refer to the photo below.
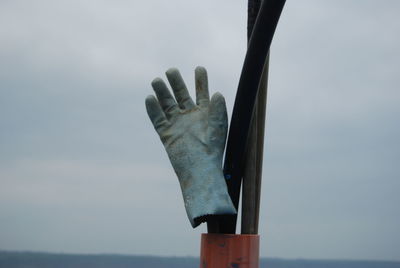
[194,137]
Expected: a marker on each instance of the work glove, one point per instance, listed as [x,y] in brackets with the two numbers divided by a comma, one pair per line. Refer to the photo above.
[194,137]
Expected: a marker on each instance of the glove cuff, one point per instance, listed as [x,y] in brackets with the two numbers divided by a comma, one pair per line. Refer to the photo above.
[206,194]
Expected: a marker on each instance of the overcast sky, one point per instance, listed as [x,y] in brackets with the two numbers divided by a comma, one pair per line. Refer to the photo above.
[82,170]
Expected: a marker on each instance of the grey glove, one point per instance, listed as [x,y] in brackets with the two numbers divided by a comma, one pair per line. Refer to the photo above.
[194,138]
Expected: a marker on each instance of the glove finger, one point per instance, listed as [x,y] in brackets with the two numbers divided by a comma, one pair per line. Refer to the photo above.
[202,95]
[156,114]
[180,91]
[217,121]
[167,102]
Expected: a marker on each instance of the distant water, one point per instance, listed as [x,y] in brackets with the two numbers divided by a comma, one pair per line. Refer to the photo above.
[46,260]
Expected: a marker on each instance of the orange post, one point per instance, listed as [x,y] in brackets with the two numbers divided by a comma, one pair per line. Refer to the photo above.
[229,250]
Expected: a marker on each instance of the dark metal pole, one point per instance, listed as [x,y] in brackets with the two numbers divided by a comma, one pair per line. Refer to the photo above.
[251,188]
[253,66]
[253,7]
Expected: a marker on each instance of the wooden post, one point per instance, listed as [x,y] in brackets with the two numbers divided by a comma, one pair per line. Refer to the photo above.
[229,250]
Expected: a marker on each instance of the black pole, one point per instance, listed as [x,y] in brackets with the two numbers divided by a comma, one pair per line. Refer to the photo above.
[252,175]
[253,66]
[253,7]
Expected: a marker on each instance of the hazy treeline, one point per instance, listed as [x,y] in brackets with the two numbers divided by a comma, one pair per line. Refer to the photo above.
[47,260]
